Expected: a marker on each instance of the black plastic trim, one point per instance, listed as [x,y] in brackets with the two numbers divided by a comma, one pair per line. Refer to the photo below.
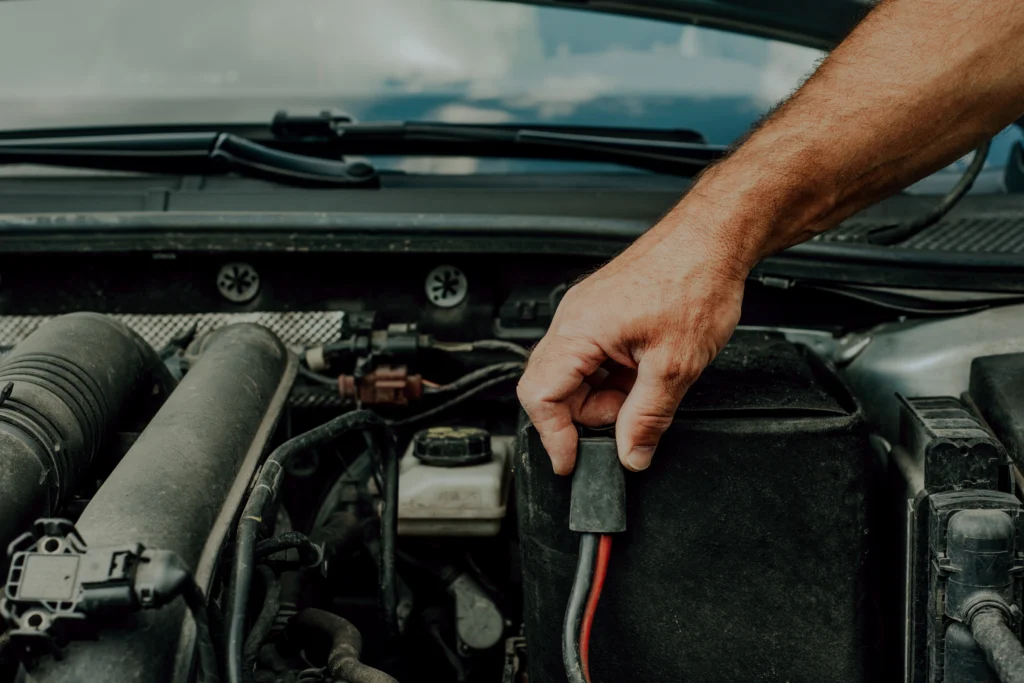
[833,262]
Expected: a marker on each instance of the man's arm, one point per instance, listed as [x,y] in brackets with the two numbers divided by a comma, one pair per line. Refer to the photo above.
[916,85]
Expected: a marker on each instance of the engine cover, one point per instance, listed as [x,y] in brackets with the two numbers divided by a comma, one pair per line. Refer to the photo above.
[750,551]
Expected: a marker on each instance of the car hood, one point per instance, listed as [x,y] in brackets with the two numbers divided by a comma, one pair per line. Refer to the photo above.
[816,23]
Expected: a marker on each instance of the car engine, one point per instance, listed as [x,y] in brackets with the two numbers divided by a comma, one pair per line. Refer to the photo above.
[341,494]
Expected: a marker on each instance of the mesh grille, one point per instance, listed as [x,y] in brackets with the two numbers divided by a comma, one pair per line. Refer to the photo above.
[848,232]
[993,234]
[303,328]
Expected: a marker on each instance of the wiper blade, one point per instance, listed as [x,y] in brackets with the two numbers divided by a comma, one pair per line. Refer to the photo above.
[201,152]
[638,149]
[675,151]
[250,148]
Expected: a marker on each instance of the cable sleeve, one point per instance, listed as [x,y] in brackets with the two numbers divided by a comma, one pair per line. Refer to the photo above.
[578,597]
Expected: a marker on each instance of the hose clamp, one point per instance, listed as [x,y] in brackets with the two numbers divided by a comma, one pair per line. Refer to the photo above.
[987,601]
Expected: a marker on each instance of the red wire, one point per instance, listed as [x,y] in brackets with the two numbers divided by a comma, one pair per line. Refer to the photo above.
[604,551]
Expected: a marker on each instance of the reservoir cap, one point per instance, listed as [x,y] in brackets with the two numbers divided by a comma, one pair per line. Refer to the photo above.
[452,446]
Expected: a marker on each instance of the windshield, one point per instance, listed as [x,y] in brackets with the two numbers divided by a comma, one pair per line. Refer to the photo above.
[111,62]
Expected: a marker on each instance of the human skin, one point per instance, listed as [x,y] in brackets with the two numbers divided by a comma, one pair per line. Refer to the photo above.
[916,85]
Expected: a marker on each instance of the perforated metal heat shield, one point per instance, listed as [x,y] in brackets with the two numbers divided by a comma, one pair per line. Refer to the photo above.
[294,328]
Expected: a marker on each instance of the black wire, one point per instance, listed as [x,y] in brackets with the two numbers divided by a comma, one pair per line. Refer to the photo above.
[264,492]
[500,345]
[577,604]
[309,553]
[461,398]
[471,378]
[265,621]
[196,602]
[484,345]
[899,233]
[317,377]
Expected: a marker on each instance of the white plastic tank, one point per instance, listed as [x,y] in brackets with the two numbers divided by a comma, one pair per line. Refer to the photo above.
[454,481]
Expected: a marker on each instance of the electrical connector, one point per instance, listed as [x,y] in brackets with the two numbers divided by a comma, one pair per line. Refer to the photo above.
[598,503]
[58,588]
[597,509]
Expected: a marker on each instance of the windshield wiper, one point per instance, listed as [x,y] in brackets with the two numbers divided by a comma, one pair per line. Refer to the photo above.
[673,151]
[307,150]
[187,153]
[659,155]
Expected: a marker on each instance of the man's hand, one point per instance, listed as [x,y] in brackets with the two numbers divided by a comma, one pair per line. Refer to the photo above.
[918,84]
[627,342]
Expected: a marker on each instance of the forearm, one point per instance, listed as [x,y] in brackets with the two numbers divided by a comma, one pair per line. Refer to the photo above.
[916,85]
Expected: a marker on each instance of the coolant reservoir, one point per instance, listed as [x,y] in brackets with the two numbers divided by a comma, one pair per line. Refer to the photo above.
[454,481]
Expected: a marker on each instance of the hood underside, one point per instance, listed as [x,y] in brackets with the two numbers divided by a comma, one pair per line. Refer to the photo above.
[815,23]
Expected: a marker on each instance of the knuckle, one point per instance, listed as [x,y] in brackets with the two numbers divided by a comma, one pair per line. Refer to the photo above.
[573,292]
[526,392]
[650,427]
[680,372]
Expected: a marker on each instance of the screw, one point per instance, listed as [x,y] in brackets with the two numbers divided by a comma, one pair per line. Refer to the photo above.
[446,286]
[238,282]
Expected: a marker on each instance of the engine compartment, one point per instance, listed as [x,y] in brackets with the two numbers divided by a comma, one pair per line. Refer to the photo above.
[423,535]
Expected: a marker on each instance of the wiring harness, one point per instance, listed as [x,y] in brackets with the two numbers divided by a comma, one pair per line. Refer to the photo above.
[264,492]
[597,510]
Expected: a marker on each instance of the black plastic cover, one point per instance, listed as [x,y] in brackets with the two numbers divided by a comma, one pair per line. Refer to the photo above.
[957,450]
[932,567]
[598,502]
[751,547]
[997,388]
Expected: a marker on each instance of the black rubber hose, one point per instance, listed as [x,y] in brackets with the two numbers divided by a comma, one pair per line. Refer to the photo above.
[180,488]
[265,621]
[346,645]
[265,491]
[193,596]
[574,610]
[389,536]
[899,233]
[1004,651]
[309,554]
[65,388]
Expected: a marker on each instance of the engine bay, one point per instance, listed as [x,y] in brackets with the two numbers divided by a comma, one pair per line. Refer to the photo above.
[312,466]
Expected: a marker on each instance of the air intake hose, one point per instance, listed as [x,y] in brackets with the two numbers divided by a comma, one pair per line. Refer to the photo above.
[70,382]
[180,488]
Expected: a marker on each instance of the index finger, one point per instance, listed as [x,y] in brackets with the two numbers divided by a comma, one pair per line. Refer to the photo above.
[554,376]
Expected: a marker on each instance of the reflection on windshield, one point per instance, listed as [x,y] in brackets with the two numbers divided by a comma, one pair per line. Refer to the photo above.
[118,61]
[75,62]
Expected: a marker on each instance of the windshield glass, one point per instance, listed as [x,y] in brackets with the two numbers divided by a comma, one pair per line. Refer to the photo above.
[125,61]
[100,62]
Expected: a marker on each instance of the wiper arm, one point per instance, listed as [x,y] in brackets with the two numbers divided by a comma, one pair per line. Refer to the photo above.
[674,151]
[678,152]
[187,153]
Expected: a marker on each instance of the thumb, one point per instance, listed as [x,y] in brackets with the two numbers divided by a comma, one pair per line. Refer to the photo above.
[661,381]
